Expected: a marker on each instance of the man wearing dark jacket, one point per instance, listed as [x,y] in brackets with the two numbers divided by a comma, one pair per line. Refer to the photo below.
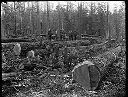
[49,34]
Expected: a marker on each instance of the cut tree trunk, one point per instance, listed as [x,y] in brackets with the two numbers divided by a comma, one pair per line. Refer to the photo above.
[89,73]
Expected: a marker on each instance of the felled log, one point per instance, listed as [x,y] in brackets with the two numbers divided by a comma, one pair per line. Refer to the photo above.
[15,40]
[6,76]
[78,52]
[36,45]
[89,73]
[103,60]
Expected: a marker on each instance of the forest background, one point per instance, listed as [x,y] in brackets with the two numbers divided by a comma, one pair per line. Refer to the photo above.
[30,19]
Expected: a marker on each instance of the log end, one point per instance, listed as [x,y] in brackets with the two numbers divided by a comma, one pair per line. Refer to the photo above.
[87,75]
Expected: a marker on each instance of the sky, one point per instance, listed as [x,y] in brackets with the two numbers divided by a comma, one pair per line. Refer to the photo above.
[53,4]
[111,3]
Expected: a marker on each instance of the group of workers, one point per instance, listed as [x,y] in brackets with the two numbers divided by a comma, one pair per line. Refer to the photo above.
[62,35]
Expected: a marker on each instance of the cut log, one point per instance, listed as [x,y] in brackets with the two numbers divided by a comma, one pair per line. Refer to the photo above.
[15,40]
[82,80]
[103,60]
[89,73]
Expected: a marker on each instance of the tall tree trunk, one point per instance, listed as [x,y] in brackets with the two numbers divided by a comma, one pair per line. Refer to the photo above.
[5,23]
[14,33]
[31,21]
[20,17]
[91,19]
[38,20]
[30,26]
[80,16]
[108,27]
[28,4]
[79,20]
[117,27]
[59,21]
[3,34]
[48,20]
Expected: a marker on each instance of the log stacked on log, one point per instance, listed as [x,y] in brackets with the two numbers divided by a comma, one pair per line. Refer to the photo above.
[89,73]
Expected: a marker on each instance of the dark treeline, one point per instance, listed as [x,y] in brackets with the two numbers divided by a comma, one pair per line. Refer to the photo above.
[88,18]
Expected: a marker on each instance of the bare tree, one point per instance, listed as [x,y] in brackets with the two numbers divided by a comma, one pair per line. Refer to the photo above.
[48,18]
[31,21]
[108,29]
[14,33]
[3,34]
[59,20]
[38,19]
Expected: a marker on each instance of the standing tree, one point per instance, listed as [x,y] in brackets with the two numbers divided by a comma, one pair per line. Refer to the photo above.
[38,19]
[116,22]
[21,11]
[59,20]
[122,21]
[101,15]
[14,33]
[3,34]
[108,26]
[48,18]
[32,19]
[91,19]
[79,17]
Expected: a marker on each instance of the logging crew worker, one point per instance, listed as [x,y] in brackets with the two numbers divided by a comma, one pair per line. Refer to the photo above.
[56,34]
[49,34]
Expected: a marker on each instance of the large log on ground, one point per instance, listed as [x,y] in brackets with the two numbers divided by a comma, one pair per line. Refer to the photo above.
[103,60]
[27,46]
[84,52]
[15,40]
[34,45]
[78,52]
[89,73]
